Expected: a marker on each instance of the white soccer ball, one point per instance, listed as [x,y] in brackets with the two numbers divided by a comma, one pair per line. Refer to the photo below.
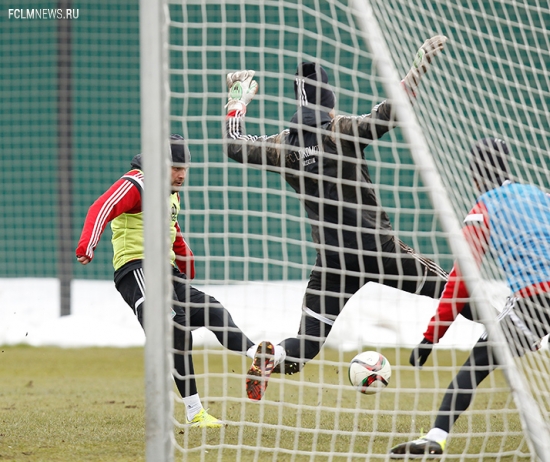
[369,372]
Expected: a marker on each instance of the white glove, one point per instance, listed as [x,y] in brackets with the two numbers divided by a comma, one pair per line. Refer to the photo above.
[241,91]
[422,61]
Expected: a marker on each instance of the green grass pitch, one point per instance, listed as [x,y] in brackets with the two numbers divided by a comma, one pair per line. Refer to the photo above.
[88,405]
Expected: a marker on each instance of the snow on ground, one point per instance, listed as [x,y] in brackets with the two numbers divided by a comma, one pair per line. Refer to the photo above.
[375,316]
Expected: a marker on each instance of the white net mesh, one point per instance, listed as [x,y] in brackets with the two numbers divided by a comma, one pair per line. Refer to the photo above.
[252,238]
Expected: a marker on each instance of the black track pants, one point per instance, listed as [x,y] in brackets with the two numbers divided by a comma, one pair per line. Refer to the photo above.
[191,309]
[333,282]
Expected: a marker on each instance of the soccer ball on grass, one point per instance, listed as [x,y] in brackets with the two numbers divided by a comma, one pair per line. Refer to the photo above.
[369,372]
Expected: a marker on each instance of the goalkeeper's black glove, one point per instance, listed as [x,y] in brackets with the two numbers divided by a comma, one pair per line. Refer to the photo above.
[420,353]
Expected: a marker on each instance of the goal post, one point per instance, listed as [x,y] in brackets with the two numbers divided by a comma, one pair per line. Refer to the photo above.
[252,238]
[156,221]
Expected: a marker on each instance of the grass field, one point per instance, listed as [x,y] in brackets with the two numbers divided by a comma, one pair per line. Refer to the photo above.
[88,405]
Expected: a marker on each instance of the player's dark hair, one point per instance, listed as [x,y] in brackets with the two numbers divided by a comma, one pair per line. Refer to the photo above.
[488,163]
[181,157]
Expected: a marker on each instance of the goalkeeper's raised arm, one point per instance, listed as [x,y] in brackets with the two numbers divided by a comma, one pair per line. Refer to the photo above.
[422,61]
[364,128]
[259,150]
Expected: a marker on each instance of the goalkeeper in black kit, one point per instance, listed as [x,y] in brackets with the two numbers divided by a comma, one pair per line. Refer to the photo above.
[321,158]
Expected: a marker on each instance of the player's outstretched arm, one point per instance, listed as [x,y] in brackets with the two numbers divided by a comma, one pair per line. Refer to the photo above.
[247,149]
[185,259]
[242,89]
[121,197]
[422,61]
[420,353]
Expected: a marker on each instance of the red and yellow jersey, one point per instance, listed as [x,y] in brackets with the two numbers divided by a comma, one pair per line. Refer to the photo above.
[121,206]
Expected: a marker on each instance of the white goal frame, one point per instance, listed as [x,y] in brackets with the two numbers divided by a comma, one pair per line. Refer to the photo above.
[159,426]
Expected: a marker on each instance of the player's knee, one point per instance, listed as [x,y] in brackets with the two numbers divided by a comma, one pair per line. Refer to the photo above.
[218,316]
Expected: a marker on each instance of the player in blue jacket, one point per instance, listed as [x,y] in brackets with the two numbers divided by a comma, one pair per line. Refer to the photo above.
[512,222]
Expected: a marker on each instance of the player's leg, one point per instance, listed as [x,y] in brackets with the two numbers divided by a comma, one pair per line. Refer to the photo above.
[206,311]
[184,377]
[456,400]
[524,323]
[407,270]
[306,345]
[183,359]
[186,384]
[132,288]
[328,290]
[460,392]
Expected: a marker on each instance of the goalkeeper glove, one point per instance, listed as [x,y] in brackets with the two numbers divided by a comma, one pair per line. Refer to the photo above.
[241,91]
[422,61]
[420,353]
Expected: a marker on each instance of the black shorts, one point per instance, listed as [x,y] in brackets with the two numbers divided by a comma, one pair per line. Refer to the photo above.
[336,277]
[189,304]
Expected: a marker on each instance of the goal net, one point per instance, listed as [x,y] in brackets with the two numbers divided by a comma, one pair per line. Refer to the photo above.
[252,236]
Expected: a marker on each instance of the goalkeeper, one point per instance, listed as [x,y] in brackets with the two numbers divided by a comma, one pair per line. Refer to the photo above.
[513,222]
[321,158]
[122,206]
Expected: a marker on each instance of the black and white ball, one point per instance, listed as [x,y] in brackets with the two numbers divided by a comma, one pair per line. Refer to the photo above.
[369,372]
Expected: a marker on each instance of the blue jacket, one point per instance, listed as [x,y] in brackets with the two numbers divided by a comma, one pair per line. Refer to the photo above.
[519,220]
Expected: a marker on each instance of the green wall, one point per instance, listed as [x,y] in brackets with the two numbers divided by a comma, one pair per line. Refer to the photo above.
[228,243]
[106,127]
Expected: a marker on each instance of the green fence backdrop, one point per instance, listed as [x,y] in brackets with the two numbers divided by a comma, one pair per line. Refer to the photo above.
[105,134]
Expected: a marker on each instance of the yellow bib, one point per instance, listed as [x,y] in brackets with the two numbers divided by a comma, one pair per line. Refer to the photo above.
[128,235]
